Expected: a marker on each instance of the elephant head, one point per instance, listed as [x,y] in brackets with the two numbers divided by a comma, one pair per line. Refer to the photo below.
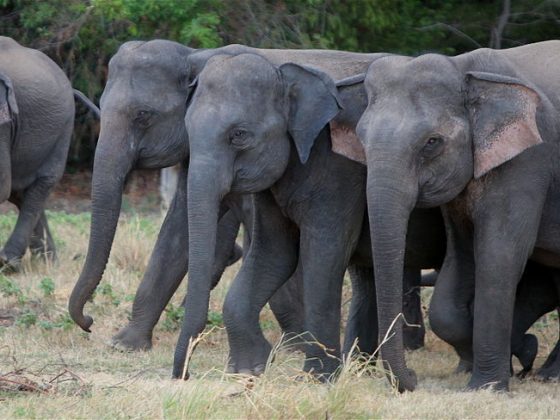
[8,124]
[142,126]
[245,119]
[428,130]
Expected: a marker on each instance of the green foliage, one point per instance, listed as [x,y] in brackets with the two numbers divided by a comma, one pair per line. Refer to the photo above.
[215,319]
[27,318]
[10,289]
[173,317]
[63,322]
[106,290]
[47,286]
[81,35]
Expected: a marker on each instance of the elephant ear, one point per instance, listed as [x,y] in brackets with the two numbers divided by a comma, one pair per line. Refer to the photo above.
[9,111]
[344,139]
[313,103]
[503,114]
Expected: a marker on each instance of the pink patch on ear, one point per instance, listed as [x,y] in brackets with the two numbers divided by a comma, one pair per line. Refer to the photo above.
[345,142]
[499,137]
[5,114]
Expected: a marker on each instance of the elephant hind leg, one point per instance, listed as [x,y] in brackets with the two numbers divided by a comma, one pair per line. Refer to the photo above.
[550,370]
[41,242]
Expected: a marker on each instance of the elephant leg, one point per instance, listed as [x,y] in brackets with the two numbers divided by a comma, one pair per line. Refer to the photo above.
[550,370]
[167,267]
[362,327]
[41,242]
[324,255]
[413,330]
[450,311]
[31,207]
[501,252]
[269,263]
[287,306]
[536,295]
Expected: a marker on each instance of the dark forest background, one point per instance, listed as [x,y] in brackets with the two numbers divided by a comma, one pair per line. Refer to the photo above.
[81,35]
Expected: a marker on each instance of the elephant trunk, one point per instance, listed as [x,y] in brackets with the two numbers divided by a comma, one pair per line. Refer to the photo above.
[205,190]
[109,172]
[390,201]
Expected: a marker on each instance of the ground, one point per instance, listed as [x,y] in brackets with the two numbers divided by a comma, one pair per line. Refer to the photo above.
[49,368]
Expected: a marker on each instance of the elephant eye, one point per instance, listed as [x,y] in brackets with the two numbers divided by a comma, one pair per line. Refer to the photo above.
[432,147]
[238,137]
[143,118]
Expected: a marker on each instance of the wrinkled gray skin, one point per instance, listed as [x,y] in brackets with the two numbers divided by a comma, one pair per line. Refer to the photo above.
[142,126]
[142,110]
[36,124]
[252,125]
[460,132]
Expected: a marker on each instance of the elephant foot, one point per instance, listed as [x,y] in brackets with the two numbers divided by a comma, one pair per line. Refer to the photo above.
[550,370]
[530,348]
[550,374]
[131,339]
[249,362]
[464,366]
[479,382]
[9,263]
[324,370]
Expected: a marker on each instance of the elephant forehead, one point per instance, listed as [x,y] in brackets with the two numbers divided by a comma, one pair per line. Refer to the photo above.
[245,72]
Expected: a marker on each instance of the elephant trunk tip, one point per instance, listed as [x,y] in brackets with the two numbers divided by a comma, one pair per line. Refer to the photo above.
[83,321]
[407,382]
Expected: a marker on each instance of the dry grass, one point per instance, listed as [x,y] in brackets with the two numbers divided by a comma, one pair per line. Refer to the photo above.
[50,369]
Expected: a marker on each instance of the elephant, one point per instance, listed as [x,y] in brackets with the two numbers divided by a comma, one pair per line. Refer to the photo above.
[476,134]
[36,125]
[142,126]
[142,111]
[257,124]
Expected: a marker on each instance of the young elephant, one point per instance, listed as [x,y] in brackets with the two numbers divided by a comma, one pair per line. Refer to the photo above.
[142,126]
[36,124]
[477,134]
[260,128]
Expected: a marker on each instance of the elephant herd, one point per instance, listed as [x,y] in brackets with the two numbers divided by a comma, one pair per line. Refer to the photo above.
[377,164]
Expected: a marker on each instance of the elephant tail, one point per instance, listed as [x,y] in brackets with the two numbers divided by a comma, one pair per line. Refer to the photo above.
[85,100]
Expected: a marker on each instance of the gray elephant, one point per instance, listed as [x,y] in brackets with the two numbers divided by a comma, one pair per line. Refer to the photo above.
[36,124]
[257,122]
[143,108]
[142,126]
[477,134]
[142,111]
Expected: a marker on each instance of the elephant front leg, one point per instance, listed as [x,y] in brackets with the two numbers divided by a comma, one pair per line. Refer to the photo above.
[501,252]
[166,269]
[269,263]
[324,254]
[32,205]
